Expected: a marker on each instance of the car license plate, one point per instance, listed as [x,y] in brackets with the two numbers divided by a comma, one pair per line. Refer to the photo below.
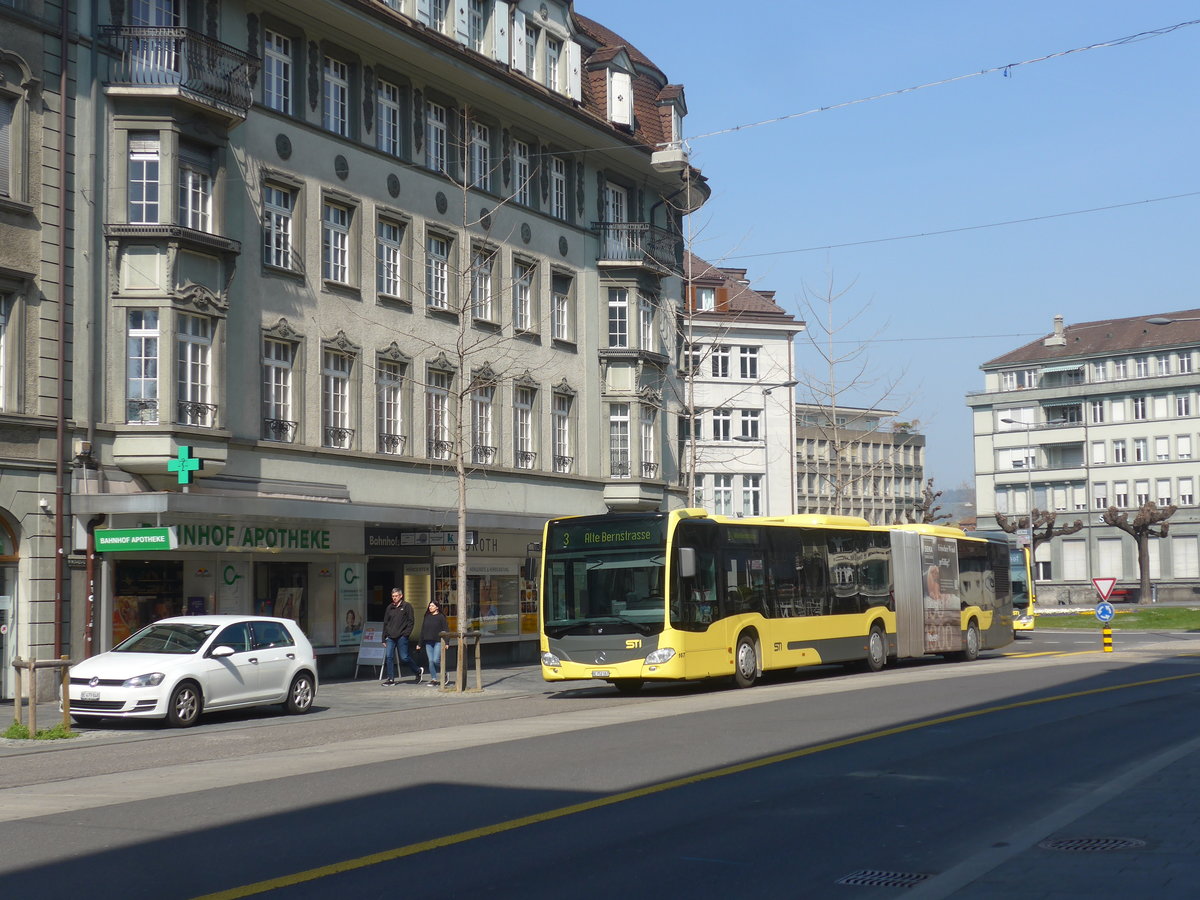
[600,673]
[89,695]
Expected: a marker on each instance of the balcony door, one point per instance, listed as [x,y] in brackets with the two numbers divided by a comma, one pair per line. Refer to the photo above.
[616,214]
[156,55]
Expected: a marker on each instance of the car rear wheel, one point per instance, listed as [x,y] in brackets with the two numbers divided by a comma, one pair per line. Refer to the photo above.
[183,710]
[300,695]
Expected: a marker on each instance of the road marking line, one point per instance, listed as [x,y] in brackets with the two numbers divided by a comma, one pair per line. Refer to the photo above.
[462,837]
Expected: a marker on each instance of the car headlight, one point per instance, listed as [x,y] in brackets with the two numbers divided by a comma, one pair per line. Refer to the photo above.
[549,659]
[153,679]
[659,656]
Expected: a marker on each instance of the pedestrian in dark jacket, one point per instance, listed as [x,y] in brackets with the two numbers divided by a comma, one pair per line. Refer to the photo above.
[398,622]
[432,627]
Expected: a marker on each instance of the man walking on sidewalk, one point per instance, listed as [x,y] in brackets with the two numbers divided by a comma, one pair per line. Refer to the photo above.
[397,626]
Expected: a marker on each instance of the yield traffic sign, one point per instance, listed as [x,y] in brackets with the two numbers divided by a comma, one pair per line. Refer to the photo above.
[1104,586]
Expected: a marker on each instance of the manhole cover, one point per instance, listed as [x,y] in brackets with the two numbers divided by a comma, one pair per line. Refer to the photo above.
[877,878]
[1091,844]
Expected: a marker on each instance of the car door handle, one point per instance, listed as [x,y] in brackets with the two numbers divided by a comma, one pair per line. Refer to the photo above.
[254,659]
[291,656]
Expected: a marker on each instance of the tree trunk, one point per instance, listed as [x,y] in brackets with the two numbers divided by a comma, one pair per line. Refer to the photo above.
[1143,545]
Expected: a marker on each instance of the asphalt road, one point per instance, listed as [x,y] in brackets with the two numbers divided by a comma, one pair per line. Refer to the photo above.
[536,792]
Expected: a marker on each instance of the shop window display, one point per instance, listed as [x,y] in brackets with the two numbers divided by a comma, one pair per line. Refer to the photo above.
[145,592]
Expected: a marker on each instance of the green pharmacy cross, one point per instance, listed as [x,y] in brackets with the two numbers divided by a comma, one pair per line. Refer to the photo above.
[185,464]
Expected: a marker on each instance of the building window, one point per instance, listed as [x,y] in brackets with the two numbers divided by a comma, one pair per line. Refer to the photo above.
[479,156]
[335,243]
[646,323]
[277,226]
[649,429]
[562,322]
[523,306]
[1141,367]
[722,425]
[618,440]
[437,415]
[1141,493]
[389,258]
[141,378]
[194,371]
[277,362]
[524,451]
[1121,494]
[11,146]
[750,420]
[720,361]
[1185,364]
[143,178]
[1119,452]
[706,299]
[1162,448]
[195,188]
[1183,405]
[558,187]
[1183,446]
[723,495]
[437,14]
[1162,491]
[1140,450]
[1121,369]
[1099,371]
[1139,408]
[277,72]
[437,271]
[388,132]
[1099,457]
[522,173]
[618,317]
[1185,559]
[1100,495]
[748,359]
[689,362]
[336,86]
[1163,365]
[435,137]
[531,47]
[1097,408]
[1186,492]
[335,400]
[751,495]
[481,285]
[389,382]
[483,446]
[475,22]
[564,457]
[553,54]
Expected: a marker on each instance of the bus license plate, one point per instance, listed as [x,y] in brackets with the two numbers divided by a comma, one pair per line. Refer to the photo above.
[89,695]
[600,673]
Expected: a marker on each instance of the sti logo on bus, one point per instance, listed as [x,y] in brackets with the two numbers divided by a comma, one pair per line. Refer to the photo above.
[633,644]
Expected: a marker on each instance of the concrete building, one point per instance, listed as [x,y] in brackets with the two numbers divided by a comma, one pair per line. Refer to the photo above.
[737,376]
[1095,415]
[857,461]
[323,250]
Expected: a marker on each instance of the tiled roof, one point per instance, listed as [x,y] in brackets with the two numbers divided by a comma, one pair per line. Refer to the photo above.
[1107,337]
[742,299]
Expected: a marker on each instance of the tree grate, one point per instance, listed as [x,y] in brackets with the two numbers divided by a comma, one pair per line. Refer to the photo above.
[877,878]
[1092,845]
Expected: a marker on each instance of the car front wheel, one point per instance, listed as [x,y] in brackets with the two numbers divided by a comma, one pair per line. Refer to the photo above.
[300,695]
[183,710]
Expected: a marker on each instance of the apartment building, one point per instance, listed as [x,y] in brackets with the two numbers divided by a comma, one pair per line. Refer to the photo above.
[857,461]
[737,378]
[1092,416]
[322,251]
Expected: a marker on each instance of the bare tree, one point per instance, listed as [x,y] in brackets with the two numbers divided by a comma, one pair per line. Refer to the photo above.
[1044,527]
[1148,522]
[927,510]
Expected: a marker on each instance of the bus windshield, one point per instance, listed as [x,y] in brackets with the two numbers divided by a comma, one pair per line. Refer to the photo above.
[1020,578]
[605,576]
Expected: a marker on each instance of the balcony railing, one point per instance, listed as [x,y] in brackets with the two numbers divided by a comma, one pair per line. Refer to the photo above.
[635,242]
[525,459]
[339,438]
[619,464]
[193,413]
[649,470]
[563,464]
[194,63]
[282,430]
[439,449]
[392,443]
[483,455]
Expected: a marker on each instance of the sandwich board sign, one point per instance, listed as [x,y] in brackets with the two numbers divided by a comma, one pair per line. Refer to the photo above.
[1104,586]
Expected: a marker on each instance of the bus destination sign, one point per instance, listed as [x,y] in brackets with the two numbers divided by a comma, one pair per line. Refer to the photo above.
[594,535]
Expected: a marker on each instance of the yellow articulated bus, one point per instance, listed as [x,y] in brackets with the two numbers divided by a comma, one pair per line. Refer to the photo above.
[1024,590]
[634,597]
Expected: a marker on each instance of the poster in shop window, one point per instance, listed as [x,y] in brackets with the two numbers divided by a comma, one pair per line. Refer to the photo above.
[351,603]
[287,603]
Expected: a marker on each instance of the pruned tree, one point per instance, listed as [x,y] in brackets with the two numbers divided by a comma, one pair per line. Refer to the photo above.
[1044,526]
[927,510]
[1148,522]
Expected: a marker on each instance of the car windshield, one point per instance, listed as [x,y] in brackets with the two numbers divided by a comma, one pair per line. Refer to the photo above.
[175,638]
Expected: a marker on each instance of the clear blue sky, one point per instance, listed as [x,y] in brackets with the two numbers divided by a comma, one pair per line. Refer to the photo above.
[1091,129]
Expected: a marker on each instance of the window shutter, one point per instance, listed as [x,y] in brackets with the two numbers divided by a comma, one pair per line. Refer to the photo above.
[461,30]
[619,101]
[501,19]
[7,105]
[517,35]
[574,76]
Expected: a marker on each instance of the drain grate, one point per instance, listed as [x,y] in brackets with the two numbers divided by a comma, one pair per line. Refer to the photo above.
[1091,845]
[877,878]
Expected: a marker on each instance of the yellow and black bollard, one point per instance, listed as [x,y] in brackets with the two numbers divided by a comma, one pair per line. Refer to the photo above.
[1107,632]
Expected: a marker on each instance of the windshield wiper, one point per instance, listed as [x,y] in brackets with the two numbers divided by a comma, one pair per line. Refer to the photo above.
[639,627]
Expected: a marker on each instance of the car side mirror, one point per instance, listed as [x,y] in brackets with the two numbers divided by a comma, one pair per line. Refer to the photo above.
[223,650]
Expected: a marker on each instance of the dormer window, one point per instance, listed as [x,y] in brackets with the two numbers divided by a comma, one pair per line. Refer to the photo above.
[620,98]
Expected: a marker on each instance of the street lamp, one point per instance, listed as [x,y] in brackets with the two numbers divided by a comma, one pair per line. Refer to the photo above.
[1029,458]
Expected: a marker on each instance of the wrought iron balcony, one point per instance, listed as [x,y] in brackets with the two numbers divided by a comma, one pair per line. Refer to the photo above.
[482,455]
[649,470]
[639,244]
[392,443]
[563,464]
[193,413]
[439,449]
[525,459]
[339,438]
[197,67]
[278,430]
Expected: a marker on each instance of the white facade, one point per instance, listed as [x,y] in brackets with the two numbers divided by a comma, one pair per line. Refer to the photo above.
[1096,415]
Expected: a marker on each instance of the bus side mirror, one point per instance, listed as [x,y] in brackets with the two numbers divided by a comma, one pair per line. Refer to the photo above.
[687,562]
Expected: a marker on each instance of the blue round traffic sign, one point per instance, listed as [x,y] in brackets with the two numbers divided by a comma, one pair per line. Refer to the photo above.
[1105,611]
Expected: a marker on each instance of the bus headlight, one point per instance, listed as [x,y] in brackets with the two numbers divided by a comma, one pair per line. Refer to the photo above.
[659,656]
[549,659]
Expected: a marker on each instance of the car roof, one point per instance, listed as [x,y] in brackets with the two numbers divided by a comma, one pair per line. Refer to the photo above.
[218,620]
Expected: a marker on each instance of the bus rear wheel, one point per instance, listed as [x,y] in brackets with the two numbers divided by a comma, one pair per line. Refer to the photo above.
[745,662]
[971,642]
[876,650]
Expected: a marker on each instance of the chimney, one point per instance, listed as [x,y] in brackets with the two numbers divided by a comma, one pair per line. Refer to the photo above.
[1059,338]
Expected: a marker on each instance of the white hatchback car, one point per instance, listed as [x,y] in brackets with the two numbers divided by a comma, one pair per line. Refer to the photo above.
[177,668]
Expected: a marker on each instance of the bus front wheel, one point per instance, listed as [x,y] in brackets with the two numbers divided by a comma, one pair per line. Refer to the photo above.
[876,650]
[627,685]
[745,662]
